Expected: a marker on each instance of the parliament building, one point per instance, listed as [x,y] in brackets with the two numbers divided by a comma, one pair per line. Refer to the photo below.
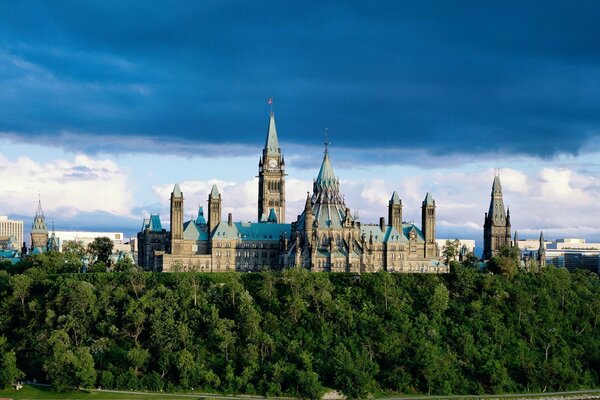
[327,236]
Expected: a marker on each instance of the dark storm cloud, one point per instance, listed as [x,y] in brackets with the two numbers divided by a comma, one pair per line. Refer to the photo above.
[440,77]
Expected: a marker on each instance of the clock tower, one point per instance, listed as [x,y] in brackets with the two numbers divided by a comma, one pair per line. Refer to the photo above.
[271,177]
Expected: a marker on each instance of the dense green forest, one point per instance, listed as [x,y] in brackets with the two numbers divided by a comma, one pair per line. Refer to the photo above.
[298,333]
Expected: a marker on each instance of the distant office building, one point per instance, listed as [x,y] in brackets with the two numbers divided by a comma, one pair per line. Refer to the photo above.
[569,253]
[9,228]
[88,237]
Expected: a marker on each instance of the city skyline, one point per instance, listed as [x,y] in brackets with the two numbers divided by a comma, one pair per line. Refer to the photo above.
[415,99]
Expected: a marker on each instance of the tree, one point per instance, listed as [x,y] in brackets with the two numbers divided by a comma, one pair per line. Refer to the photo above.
[100,250]
[74,253]
[67,366]
[451,249]
[502,265]
[9,372]
[124,264]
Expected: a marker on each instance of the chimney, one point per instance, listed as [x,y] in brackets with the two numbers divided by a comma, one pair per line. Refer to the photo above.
[229,219]
[382,224]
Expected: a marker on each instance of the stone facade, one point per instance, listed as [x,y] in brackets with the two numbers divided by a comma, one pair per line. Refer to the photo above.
[328,237]
[325,237]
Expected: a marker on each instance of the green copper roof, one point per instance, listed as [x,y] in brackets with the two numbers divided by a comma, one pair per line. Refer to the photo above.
[214,192]
[251,231]
[272,216]
[390,234]
[395,198]
[177,191]
[200,219]
[153,223]
[39,221]
[326,175]
[272,144]
[194,231]
[429,200]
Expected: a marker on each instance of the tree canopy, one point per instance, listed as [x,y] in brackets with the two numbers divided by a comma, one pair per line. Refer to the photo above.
[300,334]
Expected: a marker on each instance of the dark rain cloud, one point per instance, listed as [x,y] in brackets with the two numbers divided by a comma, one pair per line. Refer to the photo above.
[439,77]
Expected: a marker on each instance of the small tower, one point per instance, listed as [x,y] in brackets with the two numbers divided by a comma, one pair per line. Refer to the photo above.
[39,229]
[496,227]
[271,176]
[309,218]
[214,209]
[200,221]
[542,251]
[395,212]
[428,225]
[176,220]
[515,244]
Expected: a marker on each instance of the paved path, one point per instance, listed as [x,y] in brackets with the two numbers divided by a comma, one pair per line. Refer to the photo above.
[579,394]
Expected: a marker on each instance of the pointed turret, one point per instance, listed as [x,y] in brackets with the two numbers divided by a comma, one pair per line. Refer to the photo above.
[214,209]
[428,224]
[39,229]
[496,227]
[200,220]
[542,251]
[177,191]
[429,200]
[176,219]
[39,221]
[395,212]
[308,204]
[516,240]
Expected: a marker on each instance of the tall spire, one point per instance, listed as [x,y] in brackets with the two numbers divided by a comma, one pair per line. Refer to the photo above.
[272,143]
[496,211]
[395,198]
[39,220]
[326,187]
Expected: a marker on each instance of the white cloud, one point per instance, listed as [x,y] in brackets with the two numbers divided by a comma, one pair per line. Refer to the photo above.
[67,187]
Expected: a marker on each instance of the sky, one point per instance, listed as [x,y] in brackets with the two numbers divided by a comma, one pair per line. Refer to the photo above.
[104,106]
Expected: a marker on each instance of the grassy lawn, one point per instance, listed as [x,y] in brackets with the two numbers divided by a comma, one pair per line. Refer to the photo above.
[41,392]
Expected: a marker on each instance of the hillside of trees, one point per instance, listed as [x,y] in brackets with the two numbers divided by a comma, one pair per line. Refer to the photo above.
[300,334]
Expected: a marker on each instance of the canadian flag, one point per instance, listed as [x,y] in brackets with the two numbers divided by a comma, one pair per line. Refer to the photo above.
[270,101]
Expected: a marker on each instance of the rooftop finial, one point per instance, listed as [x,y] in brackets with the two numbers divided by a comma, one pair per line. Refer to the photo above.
[270,102]
[326,140]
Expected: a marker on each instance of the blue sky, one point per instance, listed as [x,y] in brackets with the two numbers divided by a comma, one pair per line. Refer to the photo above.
[105,105]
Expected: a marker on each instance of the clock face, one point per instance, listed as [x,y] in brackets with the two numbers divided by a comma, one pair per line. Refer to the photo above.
[273,163]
